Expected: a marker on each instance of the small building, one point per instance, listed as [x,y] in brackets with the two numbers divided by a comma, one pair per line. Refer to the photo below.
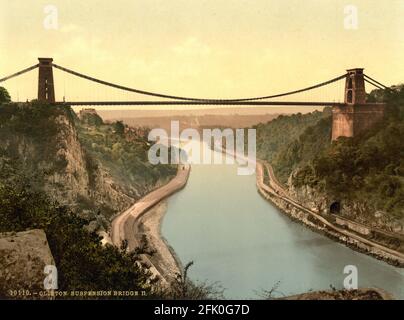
[90,117]
[87,111]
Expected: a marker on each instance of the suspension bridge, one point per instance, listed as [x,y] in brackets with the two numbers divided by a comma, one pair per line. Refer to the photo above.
[350,116]
[46,90]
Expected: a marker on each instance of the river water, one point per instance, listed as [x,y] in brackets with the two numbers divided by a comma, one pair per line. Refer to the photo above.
[240,240]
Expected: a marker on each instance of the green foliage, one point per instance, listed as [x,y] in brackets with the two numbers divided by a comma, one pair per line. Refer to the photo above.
[36,125]
[304,148]
[35,122]
[83,263]
[119,127]
[125,156]
[280,140]
[4,95]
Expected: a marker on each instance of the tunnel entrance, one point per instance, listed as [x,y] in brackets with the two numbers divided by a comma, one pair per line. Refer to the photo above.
[335,207]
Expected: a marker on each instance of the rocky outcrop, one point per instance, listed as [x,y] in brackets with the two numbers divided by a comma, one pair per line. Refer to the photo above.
[360,294]
[107,192]
[358,211]
[83,177]
[23,257]
[73,178]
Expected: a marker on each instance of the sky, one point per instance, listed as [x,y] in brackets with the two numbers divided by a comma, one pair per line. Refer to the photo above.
[200,48]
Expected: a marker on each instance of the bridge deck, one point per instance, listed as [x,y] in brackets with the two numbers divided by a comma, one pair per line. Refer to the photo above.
[240,103]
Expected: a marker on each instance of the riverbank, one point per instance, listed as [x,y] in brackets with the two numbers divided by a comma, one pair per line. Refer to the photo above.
[143,219]
[279,197]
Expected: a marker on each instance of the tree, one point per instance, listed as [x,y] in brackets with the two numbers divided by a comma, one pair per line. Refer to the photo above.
[119,127]
[182,288]
[4,95]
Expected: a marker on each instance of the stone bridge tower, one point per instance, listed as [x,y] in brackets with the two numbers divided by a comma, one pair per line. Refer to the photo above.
[46,89]
[356,115]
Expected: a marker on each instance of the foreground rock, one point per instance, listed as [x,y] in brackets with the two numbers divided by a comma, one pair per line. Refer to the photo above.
[23,257]
[360,294]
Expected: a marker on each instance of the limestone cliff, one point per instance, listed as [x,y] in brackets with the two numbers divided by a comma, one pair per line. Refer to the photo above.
[23,257]
[81,179]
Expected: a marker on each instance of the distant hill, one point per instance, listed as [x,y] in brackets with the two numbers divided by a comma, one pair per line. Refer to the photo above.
[225,110]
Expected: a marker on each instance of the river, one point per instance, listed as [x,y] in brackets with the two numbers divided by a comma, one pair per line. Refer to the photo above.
[240,240]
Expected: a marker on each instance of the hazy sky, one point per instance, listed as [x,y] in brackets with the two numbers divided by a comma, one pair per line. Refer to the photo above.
[202,48]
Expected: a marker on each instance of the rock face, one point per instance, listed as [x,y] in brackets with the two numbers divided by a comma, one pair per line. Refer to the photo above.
[81,178]
[23,257]
[359,211]
[74,179]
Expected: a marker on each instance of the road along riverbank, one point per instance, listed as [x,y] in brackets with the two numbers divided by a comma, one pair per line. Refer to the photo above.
[144,219]
[275,193]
